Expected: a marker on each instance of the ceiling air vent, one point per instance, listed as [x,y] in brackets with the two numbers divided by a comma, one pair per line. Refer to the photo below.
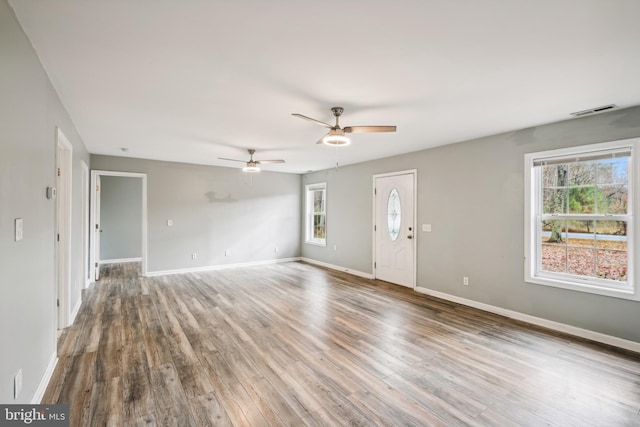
[594,110]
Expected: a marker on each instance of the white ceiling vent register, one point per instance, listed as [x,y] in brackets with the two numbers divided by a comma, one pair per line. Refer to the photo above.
[594,110]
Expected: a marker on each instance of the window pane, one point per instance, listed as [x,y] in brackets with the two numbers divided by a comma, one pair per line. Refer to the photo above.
[554,250]
[582,174]
[611,235]
[611,255]
[318,201]
[612,199]
[612,265]
[581,233]
[554,175]
[554,258]
[554,200]
[581,261]
[319,226]
[394,214]
[613,171]
[582,200]
[553,231]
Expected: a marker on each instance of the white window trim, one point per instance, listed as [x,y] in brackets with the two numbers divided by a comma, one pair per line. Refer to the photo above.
[308,213]
[629,290]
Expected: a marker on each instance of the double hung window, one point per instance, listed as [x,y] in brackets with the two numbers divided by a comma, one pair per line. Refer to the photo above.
[316,213]
[579,223]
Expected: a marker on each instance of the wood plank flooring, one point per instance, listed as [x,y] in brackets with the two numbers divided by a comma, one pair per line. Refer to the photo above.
[292,344]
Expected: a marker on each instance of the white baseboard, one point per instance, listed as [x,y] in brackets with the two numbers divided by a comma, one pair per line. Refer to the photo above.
[549,324]
[338,268]
[74,312]
[44,382]
[119,261]
[219,267]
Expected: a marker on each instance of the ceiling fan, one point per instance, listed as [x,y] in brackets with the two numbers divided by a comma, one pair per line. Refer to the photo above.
[252,165]
[336,135]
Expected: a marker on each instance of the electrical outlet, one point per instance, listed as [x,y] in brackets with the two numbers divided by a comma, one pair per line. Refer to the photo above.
[17,384]
[275,249]
[226,252]
[465,281]
[169,223]
[335,247]
[194,255]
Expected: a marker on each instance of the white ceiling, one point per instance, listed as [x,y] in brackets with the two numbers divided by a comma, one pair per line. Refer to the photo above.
[194,80]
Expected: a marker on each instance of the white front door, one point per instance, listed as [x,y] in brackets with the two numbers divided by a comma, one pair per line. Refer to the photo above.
[395,228]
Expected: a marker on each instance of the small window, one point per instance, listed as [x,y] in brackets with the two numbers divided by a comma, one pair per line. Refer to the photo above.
[316,214]
[579,218]
[394,214]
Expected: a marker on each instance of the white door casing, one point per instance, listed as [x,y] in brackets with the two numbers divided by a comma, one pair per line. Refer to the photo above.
[95,226]
[86,228]
[394,235]
[62,238]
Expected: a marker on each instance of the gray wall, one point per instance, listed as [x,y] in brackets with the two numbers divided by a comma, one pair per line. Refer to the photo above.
[473,195]
[30,111]
[214,209]
[120,217]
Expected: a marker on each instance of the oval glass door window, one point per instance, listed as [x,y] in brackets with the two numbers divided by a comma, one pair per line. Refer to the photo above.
[394,214]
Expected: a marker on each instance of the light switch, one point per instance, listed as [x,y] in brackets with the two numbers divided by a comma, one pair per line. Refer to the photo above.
[169,222]
[426,227]
[19,233]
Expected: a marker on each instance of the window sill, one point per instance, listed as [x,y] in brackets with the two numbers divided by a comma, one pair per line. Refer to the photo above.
[629,293]
[310,242]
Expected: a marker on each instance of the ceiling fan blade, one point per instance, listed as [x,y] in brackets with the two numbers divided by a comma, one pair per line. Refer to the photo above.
[266,162]
[318,122]
[369,129]
[232,160]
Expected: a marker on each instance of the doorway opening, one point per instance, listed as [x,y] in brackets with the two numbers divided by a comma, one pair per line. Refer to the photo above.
[99,207]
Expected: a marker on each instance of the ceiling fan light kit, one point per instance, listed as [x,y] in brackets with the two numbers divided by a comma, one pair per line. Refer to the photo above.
[251,168]
[336,138]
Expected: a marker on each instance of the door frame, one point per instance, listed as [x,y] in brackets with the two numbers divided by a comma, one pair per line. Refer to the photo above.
[414,173]
[85,224]
[95,214]
[62,235]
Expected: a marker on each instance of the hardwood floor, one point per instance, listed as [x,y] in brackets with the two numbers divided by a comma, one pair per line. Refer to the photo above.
[293,344]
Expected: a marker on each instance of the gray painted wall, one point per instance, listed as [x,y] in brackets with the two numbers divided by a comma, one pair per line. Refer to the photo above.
[214,209]
[30,111]
[473,195]
[120,217]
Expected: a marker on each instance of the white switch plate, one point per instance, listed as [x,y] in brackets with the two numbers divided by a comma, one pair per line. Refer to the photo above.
[19,231]
[169,222]
[426,227]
